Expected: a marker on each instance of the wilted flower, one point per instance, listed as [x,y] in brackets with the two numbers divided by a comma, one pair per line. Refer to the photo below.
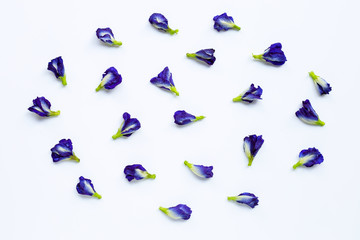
[249,95]
[246,198]
[309,157]
[200,170]
[322,86]
[252,144]
[164,80]
[273,54]
[308,115]
[224,22]
[57,67]
[181,117]
[180,211]
[85,187]
[204,55]
[128,127]
[160,22]
[110,79]
[137,172]
[107,36]
[63,151]
[42,107]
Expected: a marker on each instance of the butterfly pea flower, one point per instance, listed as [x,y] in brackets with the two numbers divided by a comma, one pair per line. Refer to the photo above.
[107,36]
[204,55]
[42,107]
[63,151]
[137,172]
[322,86]
[128,126]
[309,157]
[110,79]
[249,95]
[57,67]
[224,22]
[308,115]
[164,80]
[160,22]
[246,198]
[182,118]
[273,55]
[85,187]
[200,170]
[252,144]
[180,211]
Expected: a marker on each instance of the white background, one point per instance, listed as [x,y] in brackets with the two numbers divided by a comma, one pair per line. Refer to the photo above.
[38,197]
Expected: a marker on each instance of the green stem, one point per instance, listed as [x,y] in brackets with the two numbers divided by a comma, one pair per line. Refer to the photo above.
[54,113]
[250,160]
[189,165]
[231,198]
[63,80]
[172,32]
[152,176]
[191,55]
[198,118]
[258,56]
[173,89]
[75,158]
[164,210]
[238,98]
[98,88]
[312,75]
[117,43]
[117,135]
[320,123]
[97,195]
[297,165]
[236,27]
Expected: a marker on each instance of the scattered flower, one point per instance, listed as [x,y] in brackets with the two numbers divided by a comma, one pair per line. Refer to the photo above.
[137,172]
[42,108]
[85,187]
[273,54]
[246,198]
[180,211]
[252,144]
[181,117]
[308,115]
[309,157]
[224,22]
[249,95]
[205,55]
[110,79]
[63,151]
[128,127]
[57,67]
[164,80]
[322,86]
[160,22]
[200,170]
[107,36]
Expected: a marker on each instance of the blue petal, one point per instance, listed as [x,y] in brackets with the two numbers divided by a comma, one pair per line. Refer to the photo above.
[223,22]
[111,78]
[255,143]
[274,54]
[249,199]
[131,173]
[164,80]
[159,21]
[308,115]
[181,117]
[252,94]
[200,170]
[161,83]
[130,125]
[85,187]
[311,156]
[206,55]
[180,211]
[105,35]
[62,151]
[41,107]
[56,65]
[167,76]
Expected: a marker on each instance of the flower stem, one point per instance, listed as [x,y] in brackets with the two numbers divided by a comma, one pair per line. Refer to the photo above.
[198,118]
[63,80]
[117,135]
[117,43]
[54,113]
[75,158]
[191,55]
[258,56]
[297,165]
[238,98]
[98,88]
[172,32]
[173,89]
[187,164]
[250,160]
[312,75]
[164,210]
[97,195]
[231,198]
[320,123]
[236,27]
[152,176]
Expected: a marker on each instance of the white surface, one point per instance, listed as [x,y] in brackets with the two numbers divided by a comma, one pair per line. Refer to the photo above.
[39,200]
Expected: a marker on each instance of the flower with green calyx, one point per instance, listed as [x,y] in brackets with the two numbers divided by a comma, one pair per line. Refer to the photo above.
[137,172]
[42,108]
[180,211]
[249,95]
[200,170]
[308,115]
[182,118]
[224,22]
[164,81]
[252,145]
[128,126]
[107,36]
[309,157]
[63,151]
[322,86]
[110,79]
[204,55]
[273,55]
[160,22]
[246,198]
[85,187]
[57,67]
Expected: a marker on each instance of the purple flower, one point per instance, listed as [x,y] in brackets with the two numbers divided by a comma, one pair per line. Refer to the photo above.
[160,22]
[308,115]
[224,22]
[249,95]
[107,36]
[204,55]
[42,107]
[252,144]
[128,127]
[200,170]
[110,79]
[164,80]
[57,67]
[180,211]
[137,172]
[273,55]
[309,157]
[322,86]
[63,151]
[182,118]
[246,198]
[85,187]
